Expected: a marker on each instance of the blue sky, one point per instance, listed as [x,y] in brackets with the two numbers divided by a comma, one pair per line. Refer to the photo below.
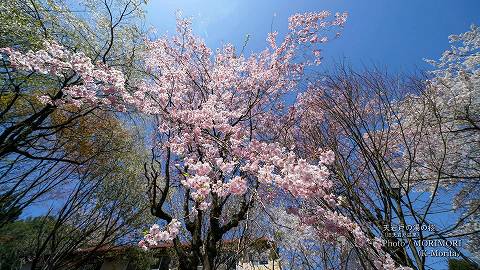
[396,34]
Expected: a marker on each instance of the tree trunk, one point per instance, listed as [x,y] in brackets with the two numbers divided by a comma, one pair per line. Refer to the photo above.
[210,254]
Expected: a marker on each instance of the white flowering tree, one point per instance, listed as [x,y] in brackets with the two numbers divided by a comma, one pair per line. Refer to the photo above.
[405,149]
[445,120]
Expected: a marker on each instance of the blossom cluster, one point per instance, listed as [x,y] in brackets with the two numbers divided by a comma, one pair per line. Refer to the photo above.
[85,82]
[155,236]
[308,28]
[301,229]
[212,103]
[441,123]
[329,225]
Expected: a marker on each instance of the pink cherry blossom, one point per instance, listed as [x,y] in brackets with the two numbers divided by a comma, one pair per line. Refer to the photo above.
[99,84]
[155,236]
[238,185]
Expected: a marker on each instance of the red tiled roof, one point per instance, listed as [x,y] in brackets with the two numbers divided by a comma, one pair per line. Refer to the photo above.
[162,245]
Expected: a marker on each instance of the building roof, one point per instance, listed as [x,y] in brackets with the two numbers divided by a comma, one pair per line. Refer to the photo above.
[259,243]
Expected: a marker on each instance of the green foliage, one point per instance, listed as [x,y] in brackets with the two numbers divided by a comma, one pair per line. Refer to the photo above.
[18,240]
[107,149]
[18,28]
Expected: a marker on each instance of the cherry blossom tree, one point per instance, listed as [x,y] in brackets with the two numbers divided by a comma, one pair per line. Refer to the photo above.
[211,109]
